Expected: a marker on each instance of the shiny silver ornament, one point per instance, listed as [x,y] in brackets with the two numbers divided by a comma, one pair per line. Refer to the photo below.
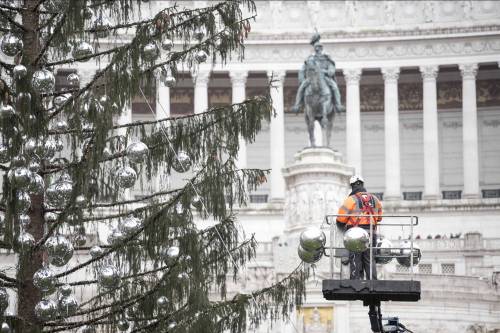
[80,239]
[171,254]
[183,276]
[179,209]
[130,225]
[356,239]
[169,81]
[65,290]
[37,184]
[34,166]
[56,6]
[312,239]
[61,125]
[137,152]
[102,26]
[59,250]
[171,325]
[82,50]
[122,325]
[80,201]
[199,34]
[181,162]
[49,148]
[162,302]
[106,153]
[23,202]
[5,328]
[4,300]
[25,241]
[108,277]
[30,146]
[73,79]
[309,257]
[150,52]
[196,202]
[45,281]
[405,253]
[24,219]
[68,305]
[96,251]
[19,72]
[11,45]
[59,100]
[167,44]
[43,81]
[59,144]
[23,102]
[6,111]
[46,310]
[115,237]
[201,56]
[125,177]
[383,254]
[59,193]
[50,217]
[21,177]
[18,161]
[4,153]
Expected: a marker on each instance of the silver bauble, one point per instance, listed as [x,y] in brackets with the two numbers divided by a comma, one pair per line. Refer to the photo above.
[34,166]
[59,100]
[18,161]
[130,225]
[73,79]
[80,201]
[21,177]
[171,254]
[356,239]
[122,325]
[4,300]
[24,219]
[23,202]
[4,154]
[199,34]
[56,6]
[137,152]
[43,81]
[23,103]
[196,202]
[96,251]
[59,193]
[309,257]
[201,56]
[82,50]
[115,237]
[167,44]
[19,72]
[150,52]
[50,217]
[162,302]
[182,162]
[49,148]
[46,310]
[60,125]
[80,239]
[405,259]
[37,184]
[384,254]
[11,45]
[108,277]
[68,305]
[312,239]
[106,153]
[59,250]
[30,146]
[6,111]
[65,290]
[45,280]
[125,177]
[101,25]
[25,241]
[171,325]
[183,276]
[5,328]
[179,209]
[169,81]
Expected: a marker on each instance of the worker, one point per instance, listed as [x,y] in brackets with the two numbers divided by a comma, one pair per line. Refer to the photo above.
[366,209]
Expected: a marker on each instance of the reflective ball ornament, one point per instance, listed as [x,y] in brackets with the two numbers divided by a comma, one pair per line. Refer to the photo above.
[11,45]
[19,72]
[45,280]
[50,217]
[356,239]
[108,277]
[150,52]
[68,305]
[169,81]
[80,239]
[43,81]
[171,325]
[199,34]
[25,241]
[73,79]
[383,255]
[24,219]
[46,310]
[130,225]
[309,257]
[171,254]
[59,193]
[122,325]
[125,177]
[182,162]
[96,251]
[21,177]
[81,50]
[201,56]
[4,300]
[162,302]
[59,100]
[65,290]
[115,237]
[405,259]
[6,111]
[137,152]
[312,239]
[5,328]
[4,154]
[167,44]
[59,249]
[23,202]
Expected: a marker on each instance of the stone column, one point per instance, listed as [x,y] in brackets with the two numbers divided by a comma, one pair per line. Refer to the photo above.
[277,136]
[469,128]
[391,121]
[353,119]
[238,81]
[162,100]
[201,91]
[431,143]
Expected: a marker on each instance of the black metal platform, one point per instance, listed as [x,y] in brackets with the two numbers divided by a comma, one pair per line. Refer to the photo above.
[371,291]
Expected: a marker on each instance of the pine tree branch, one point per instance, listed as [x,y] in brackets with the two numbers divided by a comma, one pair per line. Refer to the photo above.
[11,280]
[44,49]
[12,21]
[15,9]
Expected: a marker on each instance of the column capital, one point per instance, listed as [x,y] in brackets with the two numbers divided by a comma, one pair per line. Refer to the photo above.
[429,72]
[468,71]
[390,74]
[238,77]
[352,75]
[278,76]
[201,77]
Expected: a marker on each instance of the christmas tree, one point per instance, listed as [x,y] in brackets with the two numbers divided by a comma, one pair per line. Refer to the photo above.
[69,163]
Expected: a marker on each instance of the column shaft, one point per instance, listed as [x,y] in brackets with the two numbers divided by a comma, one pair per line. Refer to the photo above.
[201,91]
[277,136]
[431,141]
[391,121]
[353,119]
[238,80]
[162,100]
[469,128]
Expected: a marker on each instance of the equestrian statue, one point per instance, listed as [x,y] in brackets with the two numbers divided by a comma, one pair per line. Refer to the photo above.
[318,93]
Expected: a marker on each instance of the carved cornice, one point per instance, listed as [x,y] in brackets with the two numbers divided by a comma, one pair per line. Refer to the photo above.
[201,78]
[390,74]
[468,71]
[238,78]
[352,75]
[429,72]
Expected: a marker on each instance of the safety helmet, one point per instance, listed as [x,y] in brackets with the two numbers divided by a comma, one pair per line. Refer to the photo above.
[355,179]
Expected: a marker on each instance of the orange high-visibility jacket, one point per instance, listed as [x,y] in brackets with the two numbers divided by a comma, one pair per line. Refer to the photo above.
[353,205]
